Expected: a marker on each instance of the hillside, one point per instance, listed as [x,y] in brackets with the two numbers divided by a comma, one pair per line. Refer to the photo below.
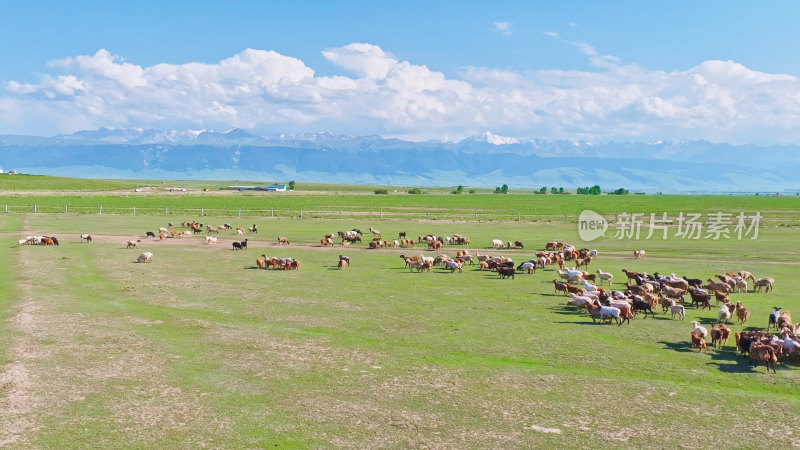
[483,161]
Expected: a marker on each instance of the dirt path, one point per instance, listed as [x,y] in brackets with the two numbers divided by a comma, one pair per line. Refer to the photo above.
[59,357]
[17,380]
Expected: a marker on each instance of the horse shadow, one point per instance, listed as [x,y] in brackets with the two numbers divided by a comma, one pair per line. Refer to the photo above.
[588,322]
[731,362]
[727,361]
[641,316]
[495,276]
[566,311]
[705,320]
[682,347]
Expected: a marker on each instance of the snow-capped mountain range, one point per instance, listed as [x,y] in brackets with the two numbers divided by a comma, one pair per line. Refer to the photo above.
[485,160]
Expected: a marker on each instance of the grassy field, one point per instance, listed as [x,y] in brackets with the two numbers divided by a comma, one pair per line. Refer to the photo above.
[41,194]
[24,183]
[200,348]
[775,211]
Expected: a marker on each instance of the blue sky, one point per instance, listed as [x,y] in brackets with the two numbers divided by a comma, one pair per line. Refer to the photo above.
[597,71]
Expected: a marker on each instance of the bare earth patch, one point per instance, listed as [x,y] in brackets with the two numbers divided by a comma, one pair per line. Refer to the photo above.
[60,359]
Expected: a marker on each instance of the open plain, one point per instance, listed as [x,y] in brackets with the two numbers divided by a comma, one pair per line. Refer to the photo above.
[200,348]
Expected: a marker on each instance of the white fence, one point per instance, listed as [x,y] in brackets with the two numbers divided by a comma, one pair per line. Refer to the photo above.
[384,214]
[773,218]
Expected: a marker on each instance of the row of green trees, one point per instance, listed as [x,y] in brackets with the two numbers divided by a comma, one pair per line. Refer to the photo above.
[460,189]
[594,190]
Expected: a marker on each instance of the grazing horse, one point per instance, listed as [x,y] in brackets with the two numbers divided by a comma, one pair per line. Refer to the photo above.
[583,261]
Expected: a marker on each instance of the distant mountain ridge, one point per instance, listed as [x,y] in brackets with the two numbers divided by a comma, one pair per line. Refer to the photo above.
[486,160]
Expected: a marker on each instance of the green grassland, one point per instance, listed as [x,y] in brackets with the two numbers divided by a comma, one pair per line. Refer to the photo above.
[200,348]
[776,211]
[20,193]
[25,183]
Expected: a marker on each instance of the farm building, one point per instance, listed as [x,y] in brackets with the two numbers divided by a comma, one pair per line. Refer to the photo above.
[248,188]
[271,187]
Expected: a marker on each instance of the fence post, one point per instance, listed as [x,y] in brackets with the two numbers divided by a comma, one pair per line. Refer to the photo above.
[519,217]
[202,210]
[6,208]
[66,209]
[134,210]
[272,213]
[240,212]
[101,209]
[34,209]
[166,210]
[301,213]
[565,217]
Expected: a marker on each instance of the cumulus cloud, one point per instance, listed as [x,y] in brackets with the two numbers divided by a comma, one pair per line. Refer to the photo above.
[503,28]
[378,93]
[362,59]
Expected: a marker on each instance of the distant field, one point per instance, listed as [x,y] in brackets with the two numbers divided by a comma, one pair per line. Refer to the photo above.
[780,211]
[348,202]
[25,183]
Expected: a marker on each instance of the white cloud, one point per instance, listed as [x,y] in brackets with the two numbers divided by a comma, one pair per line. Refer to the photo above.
[105,65]
[503,28]
[362,59]
[268,92]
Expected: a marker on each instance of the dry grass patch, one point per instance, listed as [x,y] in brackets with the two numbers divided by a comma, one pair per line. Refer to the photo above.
[62,360]
[274,357]
[156,410]
[428,382]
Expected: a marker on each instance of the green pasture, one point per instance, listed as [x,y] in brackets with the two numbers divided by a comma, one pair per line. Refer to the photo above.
[774,211]
[41,194]
[25,183]
[201,349]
